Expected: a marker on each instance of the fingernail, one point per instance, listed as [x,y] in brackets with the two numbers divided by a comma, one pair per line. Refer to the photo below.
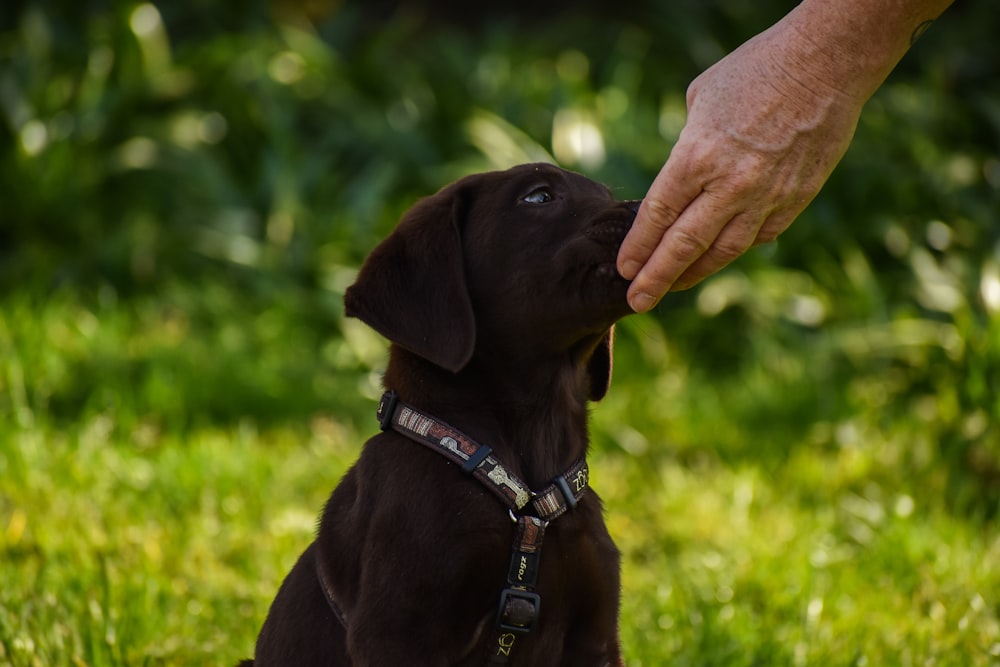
[630,269]
[640,302]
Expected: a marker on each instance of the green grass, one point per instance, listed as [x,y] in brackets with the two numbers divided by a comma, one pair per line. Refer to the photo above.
[800,459]
[149,510]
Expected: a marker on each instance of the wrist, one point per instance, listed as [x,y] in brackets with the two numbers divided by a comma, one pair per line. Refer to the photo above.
[850,46]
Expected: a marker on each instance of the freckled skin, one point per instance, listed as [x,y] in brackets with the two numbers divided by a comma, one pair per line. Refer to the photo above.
[766,126]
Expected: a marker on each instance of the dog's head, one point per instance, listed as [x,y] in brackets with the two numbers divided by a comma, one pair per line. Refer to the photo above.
[518,262]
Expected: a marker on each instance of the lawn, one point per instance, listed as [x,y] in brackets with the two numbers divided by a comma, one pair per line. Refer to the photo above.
[799,458]
[133,534]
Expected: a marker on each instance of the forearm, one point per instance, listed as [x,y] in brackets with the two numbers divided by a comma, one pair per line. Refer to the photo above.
[766,126]
[851,46]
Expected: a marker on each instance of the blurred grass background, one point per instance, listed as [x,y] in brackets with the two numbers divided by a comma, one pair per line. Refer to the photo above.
[800,458]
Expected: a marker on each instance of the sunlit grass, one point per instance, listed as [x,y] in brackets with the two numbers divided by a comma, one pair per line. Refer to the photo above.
[129,537]
[728,567]
[800,459]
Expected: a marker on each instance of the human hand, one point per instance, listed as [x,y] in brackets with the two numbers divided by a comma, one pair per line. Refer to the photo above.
[764,132]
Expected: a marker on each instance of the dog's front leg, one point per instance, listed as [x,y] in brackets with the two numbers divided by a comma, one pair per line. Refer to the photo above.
[301,628]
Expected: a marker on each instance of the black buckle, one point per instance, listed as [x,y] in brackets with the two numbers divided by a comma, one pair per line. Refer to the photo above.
[386,408]
[518,611]
[476,459]
[563,485]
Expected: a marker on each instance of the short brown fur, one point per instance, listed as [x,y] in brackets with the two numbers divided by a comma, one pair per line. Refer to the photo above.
[498,295]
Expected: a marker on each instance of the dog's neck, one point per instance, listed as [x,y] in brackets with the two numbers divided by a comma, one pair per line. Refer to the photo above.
[533,415]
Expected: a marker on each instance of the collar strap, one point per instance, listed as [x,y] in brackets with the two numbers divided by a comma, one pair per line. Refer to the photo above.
[562,494]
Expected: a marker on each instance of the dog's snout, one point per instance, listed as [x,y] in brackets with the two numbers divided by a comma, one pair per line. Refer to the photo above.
[633,205]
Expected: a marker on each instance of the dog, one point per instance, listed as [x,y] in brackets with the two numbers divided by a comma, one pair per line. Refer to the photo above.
[498,295]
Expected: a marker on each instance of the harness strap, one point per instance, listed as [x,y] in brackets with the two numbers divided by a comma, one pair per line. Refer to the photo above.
[519,608]
[562,494]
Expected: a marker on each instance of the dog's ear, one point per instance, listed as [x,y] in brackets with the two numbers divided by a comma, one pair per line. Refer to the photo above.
[599,367]
[412,290]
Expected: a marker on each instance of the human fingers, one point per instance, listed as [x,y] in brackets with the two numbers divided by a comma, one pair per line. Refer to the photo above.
[691,235]
[673,189]
[737,237]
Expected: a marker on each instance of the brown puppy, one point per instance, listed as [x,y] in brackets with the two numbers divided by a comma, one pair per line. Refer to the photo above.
[498,294]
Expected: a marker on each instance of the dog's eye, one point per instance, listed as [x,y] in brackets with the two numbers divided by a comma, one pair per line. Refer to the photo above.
[539,196]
